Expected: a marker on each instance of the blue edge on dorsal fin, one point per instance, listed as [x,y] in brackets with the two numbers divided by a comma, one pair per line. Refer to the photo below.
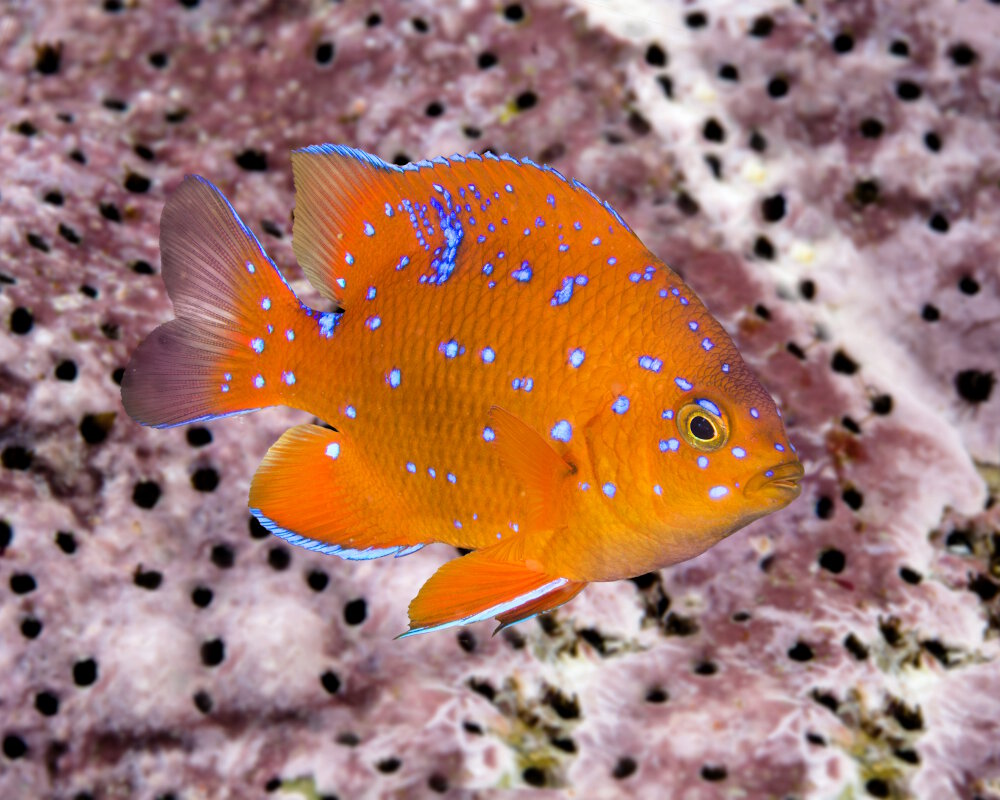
[331,549]
[378,163]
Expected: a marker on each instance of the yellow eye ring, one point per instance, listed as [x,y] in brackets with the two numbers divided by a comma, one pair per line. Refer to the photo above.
[701,428]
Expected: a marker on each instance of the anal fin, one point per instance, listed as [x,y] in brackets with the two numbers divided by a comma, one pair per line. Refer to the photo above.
[485,584]
[314,488]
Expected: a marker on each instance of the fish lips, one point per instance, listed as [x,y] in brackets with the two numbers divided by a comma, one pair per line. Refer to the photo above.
[779,483]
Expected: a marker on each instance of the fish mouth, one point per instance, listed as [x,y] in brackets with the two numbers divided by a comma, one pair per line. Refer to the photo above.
[779,483]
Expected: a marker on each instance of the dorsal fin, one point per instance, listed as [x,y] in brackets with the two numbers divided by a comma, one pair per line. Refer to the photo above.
[357,216]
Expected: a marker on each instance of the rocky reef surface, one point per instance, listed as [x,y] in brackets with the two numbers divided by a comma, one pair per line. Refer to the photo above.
[827,177]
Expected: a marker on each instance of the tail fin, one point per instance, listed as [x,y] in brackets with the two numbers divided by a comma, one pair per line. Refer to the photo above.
[236,318]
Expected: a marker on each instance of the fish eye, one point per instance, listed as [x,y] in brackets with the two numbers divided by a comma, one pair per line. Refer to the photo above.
[702,429]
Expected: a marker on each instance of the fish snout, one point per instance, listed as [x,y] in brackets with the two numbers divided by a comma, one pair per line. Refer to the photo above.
[780,483]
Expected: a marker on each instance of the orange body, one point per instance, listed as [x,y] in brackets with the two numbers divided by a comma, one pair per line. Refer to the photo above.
[512,372]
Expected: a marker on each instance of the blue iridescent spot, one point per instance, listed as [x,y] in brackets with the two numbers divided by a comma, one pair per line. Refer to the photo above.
[349,258]
[779,447]
[432,472]
[576,357]
[703,461]
[621,404]
[458,524]
[650,363]
[539,222]
[388,209]
[523,275]
[683,384]
[394,377]
[449,348]
[739,452]
[528,384]
[551,201]
[563,247]
[577,226]
[754,413]
[403,261]
[718,491]
[258,381]
[596,240]
[288,378]
[668,414]
[481,238]
[250,267]
[609,489]
[581,280]
[290,335]
[612,261]
[351,412]
[373,323]
[333,450]
[487,268]
[411,467]
[562,431]
[673,445]
[489,434]
[508,187]
[584,486]
[693,325]
[487,355]
[371,293]
[527,231]
[257,345]
[657,490]
[707,344]
[341,282]
[708,405]
[369,231]
[725,368]
[451,479]
[266,303]
[564,293]
[635,277]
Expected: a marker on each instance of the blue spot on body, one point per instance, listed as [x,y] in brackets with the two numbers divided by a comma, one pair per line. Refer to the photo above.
[612,261]
[576,357]
[341,283]
[481,238]
[288,378]
[703,461]
[290,335]
[369,230]
[266,303]
[388,209]
[581,280]
[754,413]
[562,431]
[508,187]
[596,240]
[609,489]
[371,293]
[707,344]
[449,348]
[394,377]
[523,275]
[564,293]
[718,491]
[333,450]
[250,267]
[411,467]
[451,479]
[257,345]
[779,447]
[373,323]
[403,261]
[708,405]
[351,412]
[551,201]
[725,368]
[621,404]
[668,414]
[487,268]
[432,472]
[650,363]
[657,490]
[487,355]
[683,384]
[693,325]
[258,381]
[563,248]
[489,434]
[739,452]
[349,258]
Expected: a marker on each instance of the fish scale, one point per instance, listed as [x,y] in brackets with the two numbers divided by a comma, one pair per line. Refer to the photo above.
[512,372]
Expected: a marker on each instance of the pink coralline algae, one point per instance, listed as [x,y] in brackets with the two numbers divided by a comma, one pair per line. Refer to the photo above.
[826,176]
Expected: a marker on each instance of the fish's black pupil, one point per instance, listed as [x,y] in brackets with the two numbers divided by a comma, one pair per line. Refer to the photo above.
[701,428]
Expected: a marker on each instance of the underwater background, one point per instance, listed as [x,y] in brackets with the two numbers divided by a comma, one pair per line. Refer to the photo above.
[825,175]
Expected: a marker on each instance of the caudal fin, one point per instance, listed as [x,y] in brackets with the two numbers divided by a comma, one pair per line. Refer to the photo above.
[236,319]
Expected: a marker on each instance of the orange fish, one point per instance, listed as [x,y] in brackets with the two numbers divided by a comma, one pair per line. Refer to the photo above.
[506,368]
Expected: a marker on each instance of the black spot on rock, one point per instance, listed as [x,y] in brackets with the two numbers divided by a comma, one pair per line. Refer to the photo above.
[222,556]
[773,208]
[205,479]
[16,457]
[14,747]
[324,53]
[85,672]
[278,558]
[317,580]
[202,596]
[762,26]
[800,652]
[66,370]
[31,627]
[22,583]
[198,437]
[21,321]
[713,130]
[908,91]
[330,681]
[843,363]
[146,493]
[486,60]
[728,72]
[962,55]
[871,128]
[833,560]
[713,772]
[94,428]
[853,498]
[855,647]
[213,652]
[882,404]
[655,56]
[252,160]
[137,183]
[148,579]
[974,386]
[762,248]
[203,701]
[625,768]
[695,20]
[65,541]
[48,58]
[777,87]
[355,611]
